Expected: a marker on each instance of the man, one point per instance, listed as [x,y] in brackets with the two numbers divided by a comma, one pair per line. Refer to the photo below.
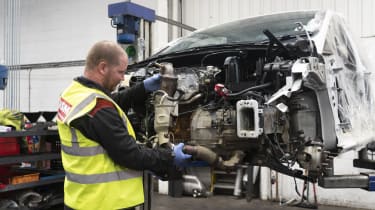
[100,156]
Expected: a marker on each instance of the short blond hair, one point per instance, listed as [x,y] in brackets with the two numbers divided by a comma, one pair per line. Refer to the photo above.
[104,51]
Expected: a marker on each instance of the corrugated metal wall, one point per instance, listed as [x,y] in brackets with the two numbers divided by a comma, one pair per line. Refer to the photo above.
[203,13]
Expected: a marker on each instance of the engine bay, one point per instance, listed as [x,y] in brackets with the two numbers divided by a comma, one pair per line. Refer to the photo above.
[245,104]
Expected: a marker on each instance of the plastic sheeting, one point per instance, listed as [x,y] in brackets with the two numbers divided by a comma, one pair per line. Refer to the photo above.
[349,77]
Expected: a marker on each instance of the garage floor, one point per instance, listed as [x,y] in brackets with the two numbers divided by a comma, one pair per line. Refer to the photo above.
[218,202]
[221,202]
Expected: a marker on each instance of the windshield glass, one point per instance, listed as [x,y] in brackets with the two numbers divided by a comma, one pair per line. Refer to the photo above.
[248,30]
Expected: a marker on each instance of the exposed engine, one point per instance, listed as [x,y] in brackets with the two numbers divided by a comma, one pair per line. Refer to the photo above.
[257,105]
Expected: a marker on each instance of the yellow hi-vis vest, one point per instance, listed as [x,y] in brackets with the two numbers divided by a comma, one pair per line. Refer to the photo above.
[93,180]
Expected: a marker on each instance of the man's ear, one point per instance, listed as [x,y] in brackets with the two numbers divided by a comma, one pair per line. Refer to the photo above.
[102,67]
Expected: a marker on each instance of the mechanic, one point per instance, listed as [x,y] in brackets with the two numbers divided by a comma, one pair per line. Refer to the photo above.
[102,161]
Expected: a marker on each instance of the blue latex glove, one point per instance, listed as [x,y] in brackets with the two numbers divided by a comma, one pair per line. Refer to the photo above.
[152,83]
[180,158]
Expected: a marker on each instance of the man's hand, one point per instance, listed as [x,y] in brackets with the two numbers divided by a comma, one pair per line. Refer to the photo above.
[180,158]
[152,83]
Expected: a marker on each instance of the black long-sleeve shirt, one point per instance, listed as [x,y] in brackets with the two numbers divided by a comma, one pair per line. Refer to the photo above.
[105,126]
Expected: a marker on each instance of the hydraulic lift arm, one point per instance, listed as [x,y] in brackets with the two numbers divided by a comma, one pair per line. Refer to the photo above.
[363,180]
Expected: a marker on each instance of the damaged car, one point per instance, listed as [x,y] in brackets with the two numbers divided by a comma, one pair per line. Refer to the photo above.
[274,90]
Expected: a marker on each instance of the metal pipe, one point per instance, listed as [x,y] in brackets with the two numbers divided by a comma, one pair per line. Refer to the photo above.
[205,154]
[29,92]
[52,65]
[213,159]
[191,99]
[344,181]
[173,22]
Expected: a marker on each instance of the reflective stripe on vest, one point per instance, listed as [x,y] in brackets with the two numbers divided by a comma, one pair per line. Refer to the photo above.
[75,149]
[86,102]
[101,178]
[81,105]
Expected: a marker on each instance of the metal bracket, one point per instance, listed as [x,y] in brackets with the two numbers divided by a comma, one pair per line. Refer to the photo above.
[248,119]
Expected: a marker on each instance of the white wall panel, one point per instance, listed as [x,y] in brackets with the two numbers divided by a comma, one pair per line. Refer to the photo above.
[328,4]
[243,8]
[1,46]
[2,12]
[213,12]
[160,29]
[62,30]
[203,13]
[354,16]
[256,7]
[54,31]
[317,4]
[343,7]
[43,87]
[266,6]
[177,17]
[368,17]
[292,4]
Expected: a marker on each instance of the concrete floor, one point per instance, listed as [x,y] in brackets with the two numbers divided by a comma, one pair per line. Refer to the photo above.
[221,202]
[218,202]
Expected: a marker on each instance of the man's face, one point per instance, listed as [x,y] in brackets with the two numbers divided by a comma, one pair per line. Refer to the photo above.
[114,74]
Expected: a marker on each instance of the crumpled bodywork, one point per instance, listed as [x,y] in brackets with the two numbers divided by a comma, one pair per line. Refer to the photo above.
[273,90]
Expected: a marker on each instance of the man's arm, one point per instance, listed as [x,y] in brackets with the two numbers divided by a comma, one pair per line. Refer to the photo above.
[131,97]
[105,126]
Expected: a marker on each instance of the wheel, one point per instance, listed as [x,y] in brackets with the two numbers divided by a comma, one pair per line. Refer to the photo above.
[195,193]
